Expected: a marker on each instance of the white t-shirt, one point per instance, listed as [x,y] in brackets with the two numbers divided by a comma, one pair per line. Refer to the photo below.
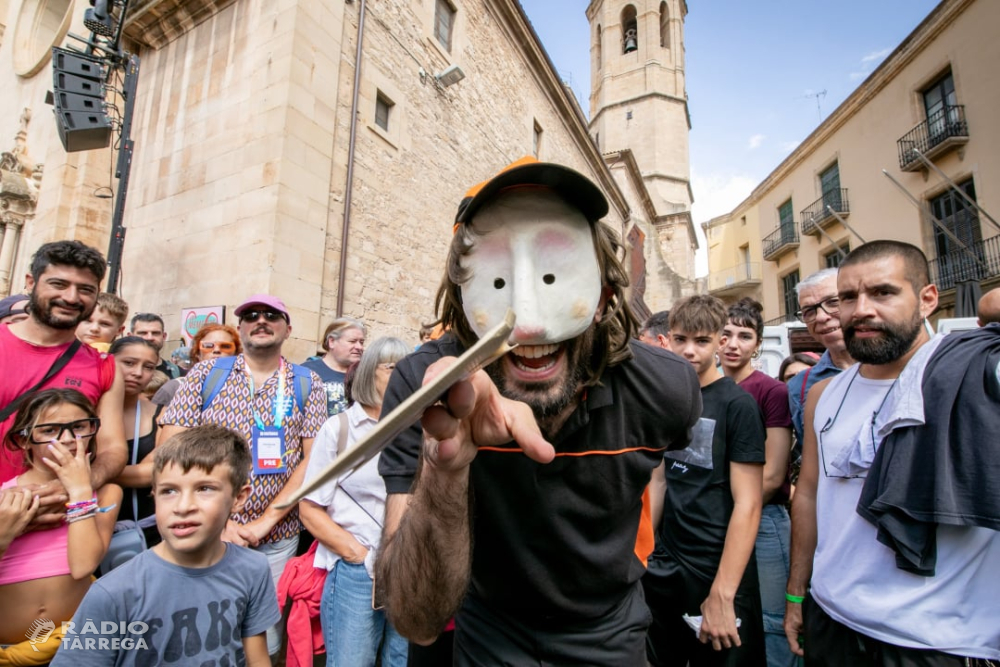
[355,502]
[855,579]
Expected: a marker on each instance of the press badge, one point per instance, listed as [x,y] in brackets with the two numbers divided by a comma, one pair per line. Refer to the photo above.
[269,450]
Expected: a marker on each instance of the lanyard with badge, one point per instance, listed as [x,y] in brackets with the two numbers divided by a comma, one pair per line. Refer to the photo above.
[268,442]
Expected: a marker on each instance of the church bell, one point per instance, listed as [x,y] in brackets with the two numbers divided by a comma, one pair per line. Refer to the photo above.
[630,41]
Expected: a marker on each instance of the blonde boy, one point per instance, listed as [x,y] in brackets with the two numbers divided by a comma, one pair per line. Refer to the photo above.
[105,324]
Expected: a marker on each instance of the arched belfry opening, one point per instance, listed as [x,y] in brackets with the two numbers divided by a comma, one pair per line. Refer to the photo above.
[598,37]
[664,26]
[630,30]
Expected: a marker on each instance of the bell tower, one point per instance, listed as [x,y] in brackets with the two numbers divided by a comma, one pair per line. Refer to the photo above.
[638,102]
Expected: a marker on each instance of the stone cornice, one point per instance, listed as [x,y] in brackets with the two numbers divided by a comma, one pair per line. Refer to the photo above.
[673,219]
[937,21]
[512,16]
[652,94]
[155,23]
[627,159]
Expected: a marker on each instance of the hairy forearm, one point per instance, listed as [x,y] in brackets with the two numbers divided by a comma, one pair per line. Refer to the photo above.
[423,565]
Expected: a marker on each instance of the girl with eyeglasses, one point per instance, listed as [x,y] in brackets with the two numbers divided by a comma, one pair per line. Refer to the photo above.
[137,359]
[211,341]
[742,338]
[51,570]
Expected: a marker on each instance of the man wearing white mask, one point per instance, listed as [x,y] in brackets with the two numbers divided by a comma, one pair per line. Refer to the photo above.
[521,506]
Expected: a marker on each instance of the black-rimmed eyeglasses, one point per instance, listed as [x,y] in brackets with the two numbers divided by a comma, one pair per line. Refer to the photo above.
[830,306]
[42,434]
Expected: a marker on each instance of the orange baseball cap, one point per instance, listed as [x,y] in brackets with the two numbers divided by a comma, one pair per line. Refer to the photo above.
[572,186]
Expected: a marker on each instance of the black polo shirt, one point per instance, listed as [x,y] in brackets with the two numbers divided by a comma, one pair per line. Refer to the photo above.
[558,540]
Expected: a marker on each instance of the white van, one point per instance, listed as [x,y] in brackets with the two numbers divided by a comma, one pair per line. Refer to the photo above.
[776,345]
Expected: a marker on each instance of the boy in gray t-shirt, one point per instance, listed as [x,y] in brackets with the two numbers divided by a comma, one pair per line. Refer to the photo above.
[192,599]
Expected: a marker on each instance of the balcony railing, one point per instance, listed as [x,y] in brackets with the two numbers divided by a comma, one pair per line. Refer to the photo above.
[941,132]
[980,263]
[746,274]
[817,214]
[783,239]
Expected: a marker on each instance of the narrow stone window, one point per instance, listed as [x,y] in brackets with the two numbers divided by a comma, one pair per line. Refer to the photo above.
[664,26]
[444,23]
[383,110]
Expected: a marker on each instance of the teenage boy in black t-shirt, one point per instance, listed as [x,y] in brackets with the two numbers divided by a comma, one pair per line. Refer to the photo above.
[703,563]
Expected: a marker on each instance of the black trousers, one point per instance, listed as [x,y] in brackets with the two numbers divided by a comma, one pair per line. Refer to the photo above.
[674,591]
[486,637]
[829,643]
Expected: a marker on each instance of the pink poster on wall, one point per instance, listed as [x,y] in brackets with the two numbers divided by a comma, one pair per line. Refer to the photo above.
[193,319]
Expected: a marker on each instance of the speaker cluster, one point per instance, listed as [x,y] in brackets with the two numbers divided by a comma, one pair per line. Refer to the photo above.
[78,94]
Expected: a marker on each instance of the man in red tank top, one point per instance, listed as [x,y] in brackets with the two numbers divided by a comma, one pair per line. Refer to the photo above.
[63,286]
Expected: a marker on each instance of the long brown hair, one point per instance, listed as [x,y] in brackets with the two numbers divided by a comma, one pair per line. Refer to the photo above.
[613,331]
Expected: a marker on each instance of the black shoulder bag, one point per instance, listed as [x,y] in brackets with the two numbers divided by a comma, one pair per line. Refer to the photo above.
[57,365]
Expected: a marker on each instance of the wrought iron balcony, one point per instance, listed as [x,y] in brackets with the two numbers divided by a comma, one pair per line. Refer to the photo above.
[747,274]
[783,239]
[817,215]
[941,132]
[980,263]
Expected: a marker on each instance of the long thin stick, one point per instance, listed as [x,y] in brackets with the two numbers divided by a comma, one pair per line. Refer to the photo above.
[487,349]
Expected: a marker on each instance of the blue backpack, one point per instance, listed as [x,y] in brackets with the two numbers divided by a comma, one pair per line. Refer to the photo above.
[223,366]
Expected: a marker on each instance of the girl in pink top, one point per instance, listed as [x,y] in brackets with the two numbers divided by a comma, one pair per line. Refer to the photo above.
[44,574]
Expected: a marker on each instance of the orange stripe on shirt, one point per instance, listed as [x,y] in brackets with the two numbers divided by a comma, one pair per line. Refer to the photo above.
[518,450]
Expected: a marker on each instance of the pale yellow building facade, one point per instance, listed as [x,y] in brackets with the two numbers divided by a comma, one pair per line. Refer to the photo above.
[266,160]
[859,175]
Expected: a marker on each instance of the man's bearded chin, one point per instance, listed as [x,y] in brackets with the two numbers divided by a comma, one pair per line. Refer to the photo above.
[896,341]
[548,399]
[42,312]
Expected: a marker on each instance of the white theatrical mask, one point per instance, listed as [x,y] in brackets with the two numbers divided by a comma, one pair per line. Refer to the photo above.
[535,255]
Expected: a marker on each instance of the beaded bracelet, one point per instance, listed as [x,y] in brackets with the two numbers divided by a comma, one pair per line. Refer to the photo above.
[82,503]
[81,516]
[85,509]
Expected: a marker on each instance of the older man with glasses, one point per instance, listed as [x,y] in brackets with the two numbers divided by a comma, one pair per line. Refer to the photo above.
[820,312]
[278,407]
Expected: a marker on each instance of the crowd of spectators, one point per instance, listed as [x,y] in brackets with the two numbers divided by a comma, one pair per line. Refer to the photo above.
[635,510]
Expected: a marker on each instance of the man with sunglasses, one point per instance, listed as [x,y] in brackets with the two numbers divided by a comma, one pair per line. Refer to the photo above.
[259,398]
[852,597]
[819,310]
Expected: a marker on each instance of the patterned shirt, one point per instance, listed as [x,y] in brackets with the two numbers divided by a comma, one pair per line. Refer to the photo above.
[234,408]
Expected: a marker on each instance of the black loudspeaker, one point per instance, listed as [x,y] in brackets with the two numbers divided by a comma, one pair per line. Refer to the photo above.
[78,93]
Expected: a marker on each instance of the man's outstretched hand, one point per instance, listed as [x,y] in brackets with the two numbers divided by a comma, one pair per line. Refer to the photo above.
[474,414]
